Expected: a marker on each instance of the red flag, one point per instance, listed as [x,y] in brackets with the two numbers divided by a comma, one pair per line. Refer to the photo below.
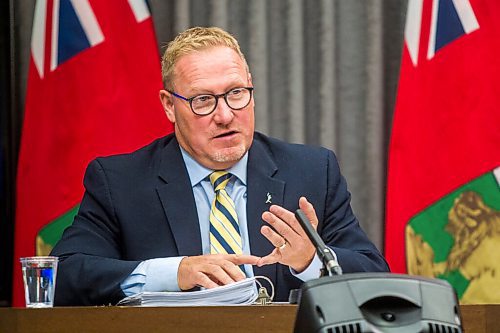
[92,90]
[445,139]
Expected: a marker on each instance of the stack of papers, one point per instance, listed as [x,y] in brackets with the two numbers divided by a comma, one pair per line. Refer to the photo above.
[239,293]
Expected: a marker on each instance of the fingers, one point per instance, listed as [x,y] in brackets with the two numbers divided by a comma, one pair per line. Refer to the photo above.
[276,239]
[226,273]
[210,271]
[271,258]
[278,215]
[284,227]
[203,281]
[230,265]
[242,259]
[308,209]
[280,231]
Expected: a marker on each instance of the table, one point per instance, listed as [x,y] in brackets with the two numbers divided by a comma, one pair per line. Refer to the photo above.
[271,318]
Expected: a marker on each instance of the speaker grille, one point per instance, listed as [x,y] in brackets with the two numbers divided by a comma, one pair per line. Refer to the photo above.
[442,328]
[345,328]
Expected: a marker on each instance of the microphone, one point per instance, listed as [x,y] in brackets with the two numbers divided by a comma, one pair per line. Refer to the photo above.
[330,263]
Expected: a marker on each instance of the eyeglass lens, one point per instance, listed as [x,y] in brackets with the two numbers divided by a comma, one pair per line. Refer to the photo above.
[236,99]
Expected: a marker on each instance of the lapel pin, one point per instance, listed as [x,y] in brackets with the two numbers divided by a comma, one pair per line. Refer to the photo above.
[268,201]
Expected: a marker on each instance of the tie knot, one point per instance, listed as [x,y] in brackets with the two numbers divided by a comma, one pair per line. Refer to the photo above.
[219,179]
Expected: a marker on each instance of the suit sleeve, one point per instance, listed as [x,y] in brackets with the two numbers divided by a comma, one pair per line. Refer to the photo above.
[341,230]
[90,269]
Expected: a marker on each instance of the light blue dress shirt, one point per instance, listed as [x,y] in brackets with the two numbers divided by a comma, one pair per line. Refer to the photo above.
[160,274]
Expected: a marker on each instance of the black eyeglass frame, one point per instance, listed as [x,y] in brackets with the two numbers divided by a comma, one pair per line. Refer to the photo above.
[190,99]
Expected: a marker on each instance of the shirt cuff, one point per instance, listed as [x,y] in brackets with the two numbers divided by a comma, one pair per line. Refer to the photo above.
[313,271]
[158,274]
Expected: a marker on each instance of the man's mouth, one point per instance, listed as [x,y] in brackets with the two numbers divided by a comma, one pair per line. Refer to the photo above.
[225,134]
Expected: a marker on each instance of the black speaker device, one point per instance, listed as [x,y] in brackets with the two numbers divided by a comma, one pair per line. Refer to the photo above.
[377,302]
[372,302]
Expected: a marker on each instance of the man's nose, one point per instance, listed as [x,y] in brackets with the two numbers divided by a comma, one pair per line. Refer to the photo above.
[223,114]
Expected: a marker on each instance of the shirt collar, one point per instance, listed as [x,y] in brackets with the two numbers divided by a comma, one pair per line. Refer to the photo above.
[198,172]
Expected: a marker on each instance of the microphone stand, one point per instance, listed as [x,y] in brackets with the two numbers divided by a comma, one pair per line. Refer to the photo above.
[330,264]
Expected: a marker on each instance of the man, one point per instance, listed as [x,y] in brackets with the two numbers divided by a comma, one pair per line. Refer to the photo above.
[161,218]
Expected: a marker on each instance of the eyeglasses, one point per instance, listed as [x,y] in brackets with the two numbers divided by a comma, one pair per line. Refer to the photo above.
[205,104]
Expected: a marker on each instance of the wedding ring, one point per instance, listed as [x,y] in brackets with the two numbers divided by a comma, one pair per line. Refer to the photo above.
[282,246]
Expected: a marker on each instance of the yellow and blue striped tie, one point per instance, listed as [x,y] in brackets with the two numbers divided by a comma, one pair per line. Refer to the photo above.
[224,227]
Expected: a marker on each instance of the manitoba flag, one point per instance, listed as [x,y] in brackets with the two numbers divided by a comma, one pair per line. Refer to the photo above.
[443,195]
[92,90]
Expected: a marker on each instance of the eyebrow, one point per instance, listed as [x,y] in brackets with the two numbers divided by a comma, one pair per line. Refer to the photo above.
[196,91]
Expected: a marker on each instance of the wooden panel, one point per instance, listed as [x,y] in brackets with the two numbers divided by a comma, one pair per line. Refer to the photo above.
[481,318]
[273,318]
[129,319]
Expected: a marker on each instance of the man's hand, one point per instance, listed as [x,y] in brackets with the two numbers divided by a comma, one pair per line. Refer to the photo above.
[212,270]
[293,247]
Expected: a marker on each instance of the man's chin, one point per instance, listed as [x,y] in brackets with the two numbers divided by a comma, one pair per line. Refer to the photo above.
[227,155]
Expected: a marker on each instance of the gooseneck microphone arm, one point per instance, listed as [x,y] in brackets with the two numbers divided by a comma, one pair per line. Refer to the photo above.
[330,263]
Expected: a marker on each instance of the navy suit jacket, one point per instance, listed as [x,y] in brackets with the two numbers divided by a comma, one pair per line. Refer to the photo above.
[140,206]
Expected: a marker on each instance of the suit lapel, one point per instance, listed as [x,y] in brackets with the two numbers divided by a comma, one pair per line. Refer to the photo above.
[263,190]
[178,202]
[179,205]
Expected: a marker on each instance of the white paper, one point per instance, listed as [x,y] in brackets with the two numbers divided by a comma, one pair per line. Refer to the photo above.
[239,293]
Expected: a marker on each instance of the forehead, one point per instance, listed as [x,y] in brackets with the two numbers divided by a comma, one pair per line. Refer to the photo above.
[211,68]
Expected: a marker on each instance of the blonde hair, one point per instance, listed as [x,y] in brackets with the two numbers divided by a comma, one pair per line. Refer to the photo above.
[194,39]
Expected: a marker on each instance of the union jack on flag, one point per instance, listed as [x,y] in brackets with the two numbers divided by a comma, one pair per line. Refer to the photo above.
[450,19]
[74,28]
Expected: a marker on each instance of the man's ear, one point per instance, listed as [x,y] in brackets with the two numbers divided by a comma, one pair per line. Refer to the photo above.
[250,78]
[167,102]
